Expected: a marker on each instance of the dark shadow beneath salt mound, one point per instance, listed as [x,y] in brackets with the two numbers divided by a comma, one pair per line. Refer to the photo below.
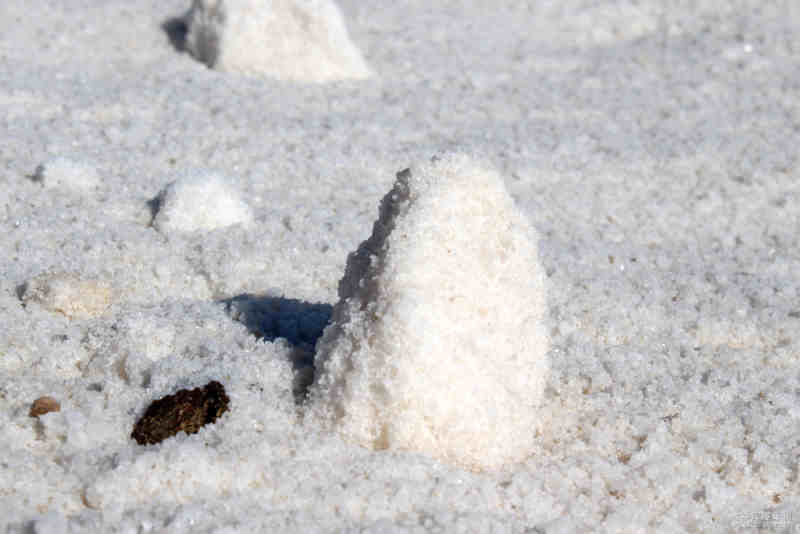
[154,204]
[176,29]
[203,43]
[299,323]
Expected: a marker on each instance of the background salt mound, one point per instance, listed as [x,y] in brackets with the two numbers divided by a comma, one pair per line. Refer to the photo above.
[304,40]
[199,200]
[67,173]
[437,343]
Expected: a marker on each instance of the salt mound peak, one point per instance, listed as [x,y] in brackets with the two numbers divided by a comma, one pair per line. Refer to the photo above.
[437,343]
[67,173]
[302,40]
[199,200]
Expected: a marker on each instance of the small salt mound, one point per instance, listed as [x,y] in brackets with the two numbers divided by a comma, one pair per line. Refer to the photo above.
[437,343]
[68,294]
[199,201]
[304,40]
[61,172]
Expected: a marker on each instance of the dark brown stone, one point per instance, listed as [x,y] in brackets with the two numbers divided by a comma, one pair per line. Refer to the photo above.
[185,411]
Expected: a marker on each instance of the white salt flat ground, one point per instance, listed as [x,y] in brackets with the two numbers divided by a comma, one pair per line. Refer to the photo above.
[652,144]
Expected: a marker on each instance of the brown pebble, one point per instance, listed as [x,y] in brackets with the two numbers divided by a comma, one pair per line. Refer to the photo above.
[44,405]
[185,411]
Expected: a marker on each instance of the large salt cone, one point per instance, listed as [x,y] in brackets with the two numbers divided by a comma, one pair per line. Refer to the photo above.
[437,343]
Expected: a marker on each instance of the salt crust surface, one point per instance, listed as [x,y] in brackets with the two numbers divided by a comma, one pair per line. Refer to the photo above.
[304,40]
[652,146]
[437,343]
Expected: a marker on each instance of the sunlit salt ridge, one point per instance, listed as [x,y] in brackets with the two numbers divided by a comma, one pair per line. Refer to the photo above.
[437,343]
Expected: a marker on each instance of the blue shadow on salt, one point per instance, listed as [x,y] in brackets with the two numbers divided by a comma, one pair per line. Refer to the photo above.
[300,323]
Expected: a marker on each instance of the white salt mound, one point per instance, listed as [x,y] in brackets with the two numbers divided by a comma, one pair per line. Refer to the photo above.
[437,343]
[303,40]
[200,201]
[67,173]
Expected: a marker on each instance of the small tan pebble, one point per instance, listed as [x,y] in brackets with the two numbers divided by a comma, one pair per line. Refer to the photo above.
[68,294]
[44,405]
[185,411]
